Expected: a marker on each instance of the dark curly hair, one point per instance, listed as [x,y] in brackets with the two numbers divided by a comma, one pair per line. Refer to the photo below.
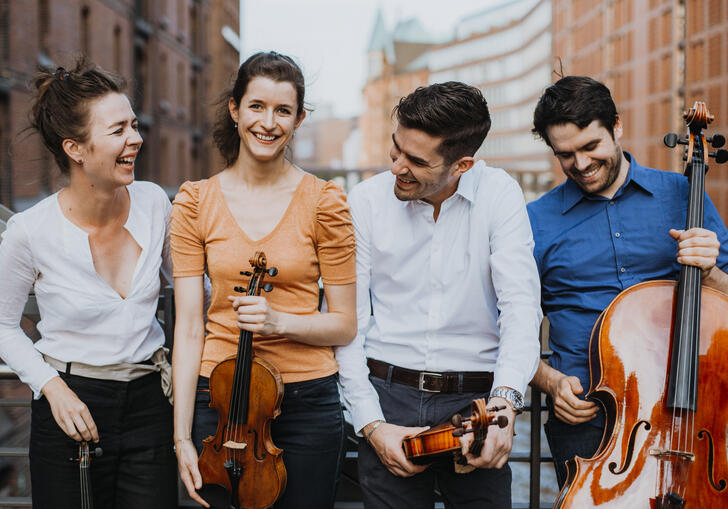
[574,99]
[453,111]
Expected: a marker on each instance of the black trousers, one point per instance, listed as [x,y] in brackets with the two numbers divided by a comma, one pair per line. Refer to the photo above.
[310,430]
[137,469]
[407,406]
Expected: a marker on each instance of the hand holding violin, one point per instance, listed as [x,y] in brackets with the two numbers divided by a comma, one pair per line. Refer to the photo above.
[255,315]
[498,441]
[387,443]
[70,413]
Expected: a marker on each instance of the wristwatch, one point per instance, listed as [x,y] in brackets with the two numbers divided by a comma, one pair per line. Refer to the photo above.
[512,396]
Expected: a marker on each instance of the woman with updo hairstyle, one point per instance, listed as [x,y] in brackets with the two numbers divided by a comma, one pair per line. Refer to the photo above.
[93,253]
[261,201]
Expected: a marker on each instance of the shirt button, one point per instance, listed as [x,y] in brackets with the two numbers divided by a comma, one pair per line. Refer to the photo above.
[622,270]
[617,234]
[611,202]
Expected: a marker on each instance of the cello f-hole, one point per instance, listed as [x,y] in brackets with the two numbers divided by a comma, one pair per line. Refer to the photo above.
[711,474]
[630,449]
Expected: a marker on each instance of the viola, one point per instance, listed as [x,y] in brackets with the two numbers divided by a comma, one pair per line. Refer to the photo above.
[240,466]
[658,356]
[84,467]
[443,440]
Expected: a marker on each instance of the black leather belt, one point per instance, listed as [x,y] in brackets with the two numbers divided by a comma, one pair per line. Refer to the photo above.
[429,381]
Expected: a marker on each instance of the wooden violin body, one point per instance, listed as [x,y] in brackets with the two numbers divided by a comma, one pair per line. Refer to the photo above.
[443,440]
[240,466]
[629,368]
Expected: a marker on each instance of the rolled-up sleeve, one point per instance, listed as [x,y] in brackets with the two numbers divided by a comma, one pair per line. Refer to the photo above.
[359,395]
[517,286]
[17,276]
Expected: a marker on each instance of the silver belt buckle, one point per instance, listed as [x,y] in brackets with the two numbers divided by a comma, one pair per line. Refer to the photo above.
[421,385]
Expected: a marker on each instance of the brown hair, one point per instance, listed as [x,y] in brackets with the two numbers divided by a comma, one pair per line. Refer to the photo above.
[267,64]
[60,108]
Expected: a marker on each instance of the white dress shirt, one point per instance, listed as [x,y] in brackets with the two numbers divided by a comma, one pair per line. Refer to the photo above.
[83,319]
[457,294]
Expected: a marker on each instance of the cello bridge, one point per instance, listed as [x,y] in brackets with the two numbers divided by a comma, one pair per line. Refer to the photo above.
[664,454]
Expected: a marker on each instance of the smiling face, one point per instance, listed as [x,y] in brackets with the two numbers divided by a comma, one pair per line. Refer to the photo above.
[112,144]
[266,117]
[591,156]
[420,170]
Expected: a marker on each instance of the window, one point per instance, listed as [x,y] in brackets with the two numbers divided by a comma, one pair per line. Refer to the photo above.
[85,31]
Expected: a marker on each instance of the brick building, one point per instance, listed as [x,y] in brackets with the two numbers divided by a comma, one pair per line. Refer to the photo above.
[163,49]
[504,50]
[657,57]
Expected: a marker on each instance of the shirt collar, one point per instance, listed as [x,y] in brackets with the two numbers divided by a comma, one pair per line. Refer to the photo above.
[467,185]
[637,175]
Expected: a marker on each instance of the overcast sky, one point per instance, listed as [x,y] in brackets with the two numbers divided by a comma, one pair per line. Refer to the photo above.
[329,38]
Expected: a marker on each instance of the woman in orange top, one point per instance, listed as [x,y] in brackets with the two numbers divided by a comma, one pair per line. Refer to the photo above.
[262,202]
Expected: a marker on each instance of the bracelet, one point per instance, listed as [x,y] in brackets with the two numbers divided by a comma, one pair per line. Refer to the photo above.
[376,425]
[183,439]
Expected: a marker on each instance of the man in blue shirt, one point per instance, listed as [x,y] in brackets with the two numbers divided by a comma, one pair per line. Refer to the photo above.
[612,224]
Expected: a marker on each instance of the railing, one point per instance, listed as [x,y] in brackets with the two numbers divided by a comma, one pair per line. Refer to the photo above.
[348,495]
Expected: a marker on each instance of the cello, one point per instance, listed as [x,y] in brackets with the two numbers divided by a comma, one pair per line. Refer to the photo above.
[658,355]
[240,466]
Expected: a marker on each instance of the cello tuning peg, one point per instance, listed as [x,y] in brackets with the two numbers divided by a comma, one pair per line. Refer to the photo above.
[267,287]
[246,273]
[670,139]
[239,289]
[272,271]
[717,140]
[721,155]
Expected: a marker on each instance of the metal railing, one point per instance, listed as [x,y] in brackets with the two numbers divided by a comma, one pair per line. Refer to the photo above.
[349,495]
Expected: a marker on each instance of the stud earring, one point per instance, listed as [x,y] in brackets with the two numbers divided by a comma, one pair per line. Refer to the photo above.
[236,125]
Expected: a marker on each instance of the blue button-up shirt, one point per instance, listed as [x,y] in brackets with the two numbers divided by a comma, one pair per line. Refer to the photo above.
[590,248]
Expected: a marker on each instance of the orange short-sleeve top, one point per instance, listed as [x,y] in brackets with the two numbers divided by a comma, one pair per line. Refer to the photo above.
[314,238]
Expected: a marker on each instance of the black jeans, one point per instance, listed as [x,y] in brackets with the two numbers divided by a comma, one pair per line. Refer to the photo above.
[310,430]
[137,468]
[407,406]
[568,440]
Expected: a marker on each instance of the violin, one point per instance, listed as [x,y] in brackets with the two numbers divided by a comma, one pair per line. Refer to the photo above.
[84,466]
[443,440]
[658,356]
[240,466]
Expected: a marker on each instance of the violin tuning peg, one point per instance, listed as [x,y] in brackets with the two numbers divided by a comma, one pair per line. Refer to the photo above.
[717,140]
[239,289]
[497,408]
[272,271]
[457,420]
[721,155]
[246,273]
[97,452]
[267,287]
[458,432]
[502,421]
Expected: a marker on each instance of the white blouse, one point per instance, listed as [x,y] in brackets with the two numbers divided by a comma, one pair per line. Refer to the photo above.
[83,319]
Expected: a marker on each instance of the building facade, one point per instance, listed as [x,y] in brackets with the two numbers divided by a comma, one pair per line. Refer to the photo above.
[505,51]
[163,48]
[657,57]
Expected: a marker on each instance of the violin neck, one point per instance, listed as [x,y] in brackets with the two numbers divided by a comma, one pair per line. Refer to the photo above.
[87,500]
[240,393]
[683,382]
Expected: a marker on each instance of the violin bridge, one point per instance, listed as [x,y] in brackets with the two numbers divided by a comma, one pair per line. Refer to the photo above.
[235,445]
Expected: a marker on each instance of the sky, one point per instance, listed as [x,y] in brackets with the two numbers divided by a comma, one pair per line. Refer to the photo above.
[329,38]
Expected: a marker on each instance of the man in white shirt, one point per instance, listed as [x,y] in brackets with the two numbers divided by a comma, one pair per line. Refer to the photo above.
[446,271]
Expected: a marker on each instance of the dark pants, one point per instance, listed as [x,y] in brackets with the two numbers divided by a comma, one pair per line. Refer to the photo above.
[407,406]
[310,430]
[567,440]
[137,468]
